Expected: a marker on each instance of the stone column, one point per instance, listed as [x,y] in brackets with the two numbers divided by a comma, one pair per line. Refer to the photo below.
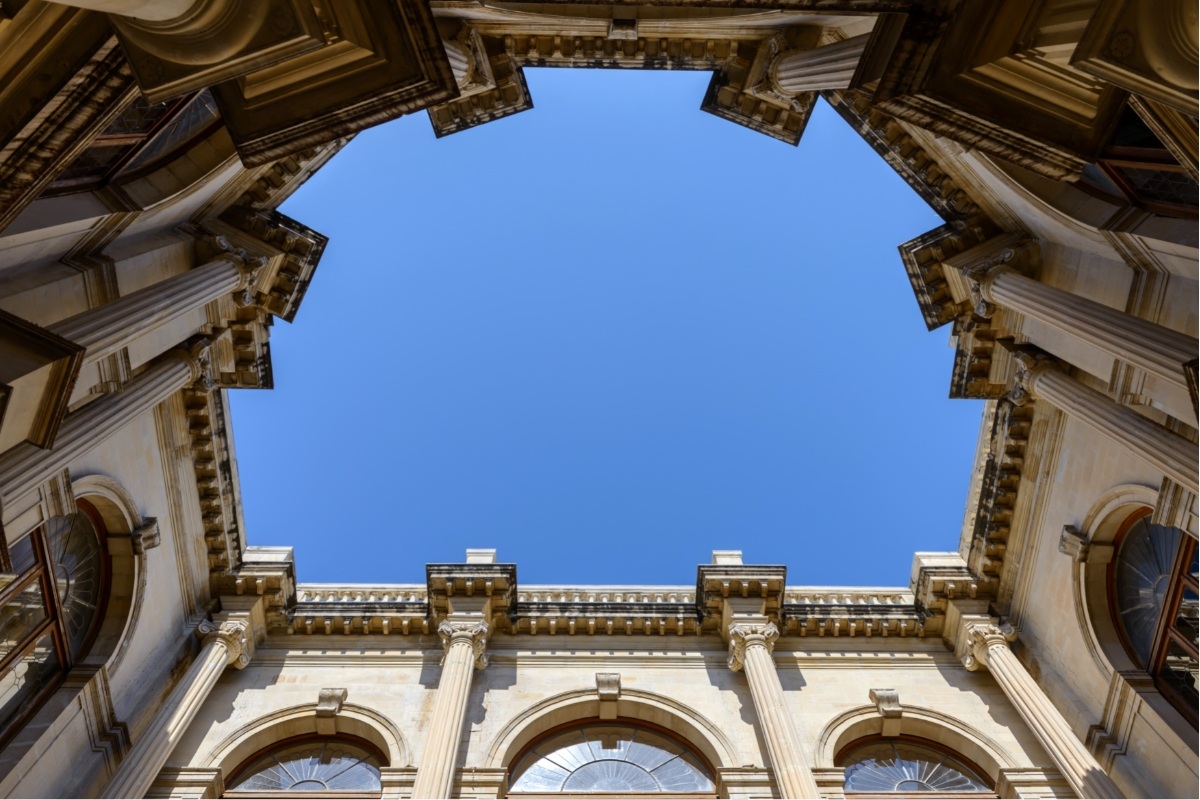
[987,645]
[828,67]
[750,646]
[25,467]
[1157,350]
[1039,377]
[460,62]
[225,644]
[106,329]
[465,643]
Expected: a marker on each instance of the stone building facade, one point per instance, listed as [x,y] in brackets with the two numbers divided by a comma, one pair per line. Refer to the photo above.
[149,651]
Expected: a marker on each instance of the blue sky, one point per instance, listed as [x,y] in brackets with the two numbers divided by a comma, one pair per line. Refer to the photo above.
[607,336]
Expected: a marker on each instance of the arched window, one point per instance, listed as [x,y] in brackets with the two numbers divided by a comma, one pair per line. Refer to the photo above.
[614,759]
[325,764]
[53,588]
[884,765]
[1152,592]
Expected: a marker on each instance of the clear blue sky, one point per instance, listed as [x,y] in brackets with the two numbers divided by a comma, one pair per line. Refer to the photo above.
[607,336]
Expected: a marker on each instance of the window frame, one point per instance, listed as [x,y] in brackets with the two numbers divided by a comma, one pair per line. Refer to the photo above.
[618,722]
[1164,632]
[917,741]
[42,573]
[236,773]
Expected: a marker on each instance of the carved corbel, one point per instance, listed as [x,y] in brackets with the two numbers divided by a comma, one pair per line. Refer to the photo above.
[145,536]
[473,633]
[749,634]
[233,634]
[980,638]
[887,703]
[608,689]
[329,703]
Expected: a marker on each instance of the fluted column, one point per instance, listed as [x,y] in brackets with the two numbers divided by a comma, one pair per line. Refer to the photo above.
[828,67]
[460,62]
[106,329]
[224,644]
[24,467]
[987,645]
[1040,377]
[1157,350]
[750,646]
[465,643]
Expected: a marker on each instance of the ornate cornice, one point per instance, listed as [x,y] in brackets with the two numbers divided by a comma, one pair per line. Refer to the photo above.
[233,633]
[749,634]
[473,633]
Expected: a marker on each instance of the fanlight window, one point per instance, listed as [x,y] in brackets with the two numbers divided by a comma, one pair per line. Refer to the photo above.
[613,759]
[52,592]
[315,765]
[1153,585]
[901,766]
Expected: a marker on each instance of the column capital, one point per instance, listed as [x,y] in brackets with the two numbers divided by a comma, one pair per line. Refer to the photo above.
[471,632]
[1031,364]
[249,266]
[746,634]
[233,633]
[982,637]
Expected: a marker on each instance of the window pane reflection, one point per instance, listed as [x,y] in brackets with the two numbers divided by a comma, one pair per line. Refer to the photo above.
[27,677]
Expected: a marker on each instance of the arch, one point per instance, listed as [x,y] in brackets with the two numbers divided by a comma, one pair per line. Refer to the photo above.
[934,726]
[1100,527]
[287,723]
[634,705]
[127,584]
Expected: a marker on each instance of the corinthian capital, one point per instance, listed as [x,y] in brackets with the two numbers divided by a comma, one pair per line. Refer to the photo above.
[1030,364]
[982,637]
[748,634]
[233,634]
[472,632]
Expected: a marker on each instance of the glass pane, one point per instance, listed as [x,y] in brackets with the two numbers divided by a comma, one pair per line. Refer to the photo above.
[189,123]
[140,117]
[1143,577]
[93,163]
[23,559]
[314,766]
[1185,620]
[905,767]
[1179,672]
[29,675]
[1161,185]
[77,560]
[20,616]
[610,758]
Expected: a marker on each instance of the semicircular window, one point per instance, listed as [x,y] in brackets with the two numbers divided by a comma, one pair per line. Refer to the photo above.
[316,765]
[901,766]
[52,595]
[613,759]
[1154,592]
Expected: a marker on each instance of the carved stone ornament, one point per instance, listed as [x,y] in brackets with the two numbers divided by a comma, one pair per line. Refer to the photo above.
[979,280]
[472,633]
[887,702]
[1029,366]
[145,536]
[981,637]
[329,701]
[746,634]
[233,634]
[1074,543]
